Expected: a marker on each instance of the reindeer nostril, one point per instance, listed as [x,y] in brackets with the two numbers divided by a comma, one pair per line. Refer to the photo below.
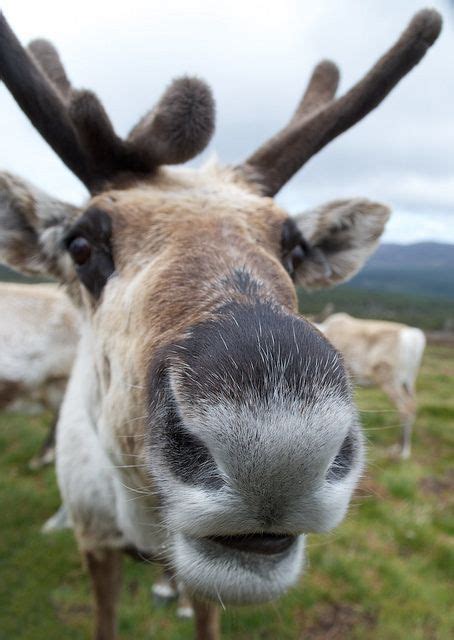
[342,463]
[189,458]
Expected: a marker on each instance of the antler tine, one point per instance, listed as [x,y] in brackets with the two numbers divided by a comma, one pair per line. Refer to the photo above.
[179,126]
[106,153]
[321,89]
[40,102]
[281,157]
[48,59]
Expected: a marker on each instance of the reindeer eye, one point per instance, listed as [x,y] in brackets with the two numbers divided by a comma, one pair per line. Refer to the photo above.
[88,243]
[80,250]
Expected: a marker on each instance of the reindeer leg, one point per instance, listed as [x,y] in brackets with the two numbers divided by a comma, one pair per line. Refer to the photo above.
[207,620]
[406,405]
[105,572]
[407,428]
[164,589]
[185,608]
[405,402]
[46,454]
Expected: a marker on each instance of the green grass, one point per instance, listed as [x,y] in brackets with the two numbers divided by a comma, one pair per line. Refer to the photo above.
[384,574]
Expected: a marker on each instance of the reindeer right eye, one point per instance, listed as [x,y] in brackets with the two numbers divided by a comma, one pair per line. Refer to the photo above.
[80,250]
[88,243]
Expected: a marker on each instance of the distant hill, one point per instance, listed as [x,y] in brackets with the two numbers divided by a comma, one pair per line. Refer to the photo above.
[425,268]
[432,254]
[8,275]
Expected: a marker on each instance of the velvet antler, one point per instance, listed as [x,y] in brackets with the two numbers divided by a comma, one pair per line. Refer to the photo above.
[76,126]
[319,118]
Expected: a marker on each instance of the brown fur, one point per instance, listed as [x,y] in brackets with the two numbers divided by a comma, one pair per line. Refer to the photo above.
[105,572]
[206,620]
[9,390]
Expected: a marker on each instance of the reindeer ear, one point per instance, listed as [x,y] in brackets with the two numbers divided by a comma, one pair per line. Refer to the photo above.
[32,225]
[341,235]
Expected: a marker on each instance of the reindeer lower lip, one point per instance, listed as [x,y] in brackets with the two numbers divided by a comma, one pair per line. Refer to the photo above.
[263,543]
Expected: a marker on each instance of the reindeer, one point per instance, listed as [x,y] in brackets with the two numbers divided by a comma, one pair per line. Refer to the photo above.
[205,424]
[386,354]
[38,342]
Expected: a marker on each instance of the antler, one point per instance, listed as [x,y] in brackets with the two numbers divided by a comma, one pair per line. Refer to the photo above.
[321,88]
[76,126]
[48,59]
[319,118]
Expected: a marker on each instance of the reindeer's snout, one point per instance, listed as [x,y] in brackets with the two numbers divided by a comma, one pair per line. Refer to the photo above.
[255,431]
[254,442]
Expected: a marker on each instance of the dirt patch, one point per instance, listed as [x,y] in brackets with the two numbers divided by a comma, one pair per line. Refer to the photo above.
[443,338]
[440,486]
[8,391]
[73,614]
[133,587]
[369,487]
[337,621]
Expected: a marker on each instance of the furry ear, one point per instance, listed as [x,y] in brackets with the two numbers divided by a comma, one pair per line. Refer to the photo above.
[32,225]
[342,234]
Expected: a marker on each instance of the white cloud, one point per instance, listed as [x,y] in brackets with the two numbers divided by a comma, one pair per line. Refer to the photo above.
[418,226]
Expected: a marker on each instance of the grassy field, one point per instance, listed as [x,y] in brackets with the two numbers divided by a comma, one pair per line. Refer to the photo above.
[383,575]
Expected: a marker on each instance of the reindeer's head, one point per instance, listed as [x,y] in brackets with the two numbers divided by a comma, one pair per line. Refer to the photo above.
[193,359]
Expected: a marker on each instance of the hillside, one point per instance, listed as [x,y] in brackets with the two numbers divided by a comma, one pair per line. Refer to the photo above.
[8,275]
[425,268]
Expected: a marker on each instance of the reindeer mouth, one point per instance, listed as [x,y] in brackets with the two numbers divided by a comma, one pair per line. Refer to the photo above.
[260,543]
[239,569]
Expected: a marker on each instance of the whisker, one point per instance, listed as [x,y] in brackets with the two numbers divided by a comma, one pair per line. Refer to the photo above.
[377,410]
[220,599]
[125,466]
[142,491]
[136,418]
[132,435]
[143,494]
[391,426]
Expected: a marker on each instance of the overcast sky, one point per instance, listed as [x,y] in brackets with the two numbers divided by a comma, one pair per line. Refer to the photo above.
[257,57]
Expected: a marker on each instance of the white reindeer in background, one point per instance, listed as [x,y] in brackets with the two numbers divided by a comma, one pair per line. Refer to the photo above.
[386,354]
[39,331]
[197,388]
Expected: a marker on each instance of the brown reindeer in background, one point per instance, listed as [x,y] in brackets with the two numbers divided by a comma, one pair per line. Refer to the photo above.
[205,424]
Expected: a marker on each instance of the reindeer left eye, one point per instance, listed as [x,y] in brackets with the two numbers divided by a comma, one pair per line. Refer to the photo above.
[80,250]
